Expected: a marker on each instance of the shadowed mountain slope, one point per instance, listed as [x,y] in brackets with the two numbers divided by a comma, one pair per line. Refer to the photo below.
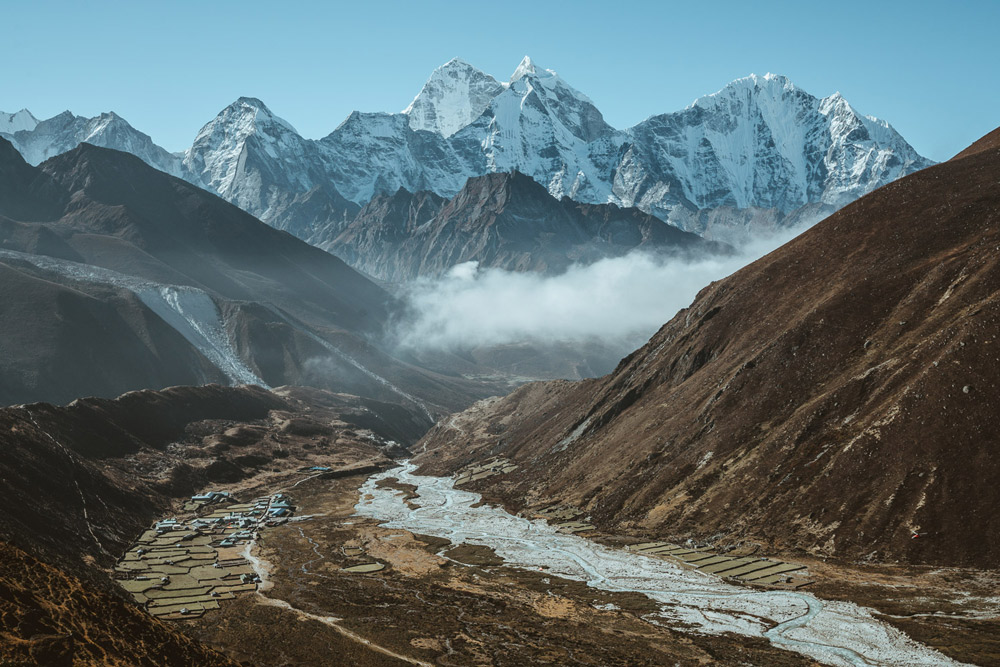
[506,221]
[121,277]
[60,341]
[143,217]
[836,396]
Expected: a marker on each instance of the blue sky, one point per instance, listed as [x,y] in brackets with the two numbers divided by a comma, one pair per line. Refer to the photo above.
[928,68]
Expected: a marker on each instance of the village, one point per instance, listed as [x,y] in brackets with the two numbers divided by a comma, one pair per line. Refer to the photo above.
[182,567]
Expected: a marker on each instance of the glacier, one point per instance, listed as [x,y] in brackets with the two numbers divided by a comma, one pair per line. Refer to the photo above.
[188,310]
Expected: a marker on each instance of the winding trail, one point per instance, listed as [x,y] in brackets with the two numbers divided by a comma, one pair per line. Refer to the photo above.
[833,632]
[83,499]
[266,584]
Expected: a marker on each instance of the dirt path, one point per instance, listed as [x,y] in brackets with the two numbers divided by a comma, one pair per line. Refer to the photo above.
[83,499]
[261,567]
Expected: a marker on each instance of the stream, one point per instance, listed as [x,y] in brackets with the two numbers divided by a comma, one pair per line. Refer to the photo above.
[836,633]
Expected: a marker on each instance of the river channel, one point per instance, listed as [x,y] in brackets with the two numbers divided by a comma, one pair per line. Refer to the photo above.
[836,633]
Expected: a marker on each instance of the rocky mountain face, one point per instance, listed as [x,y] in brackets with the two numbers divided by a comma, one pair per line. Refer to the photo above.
[118,277]
[454,96]
[751,156]
[312,214]
[380,229]
[838,396]
[83,480]
[505,221]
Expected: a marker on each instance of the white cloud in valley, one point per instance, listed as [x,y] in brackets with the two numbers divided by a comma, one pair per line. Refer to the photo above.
[612,301]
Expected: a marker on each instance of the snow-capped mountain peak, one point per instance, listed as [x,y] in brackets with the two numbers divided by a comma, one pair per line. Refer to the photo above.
[251,157]
[112,131]
[568,107]
[758,144]
[65,131]
[248,115]
[102,123]
[531,74]
[526,67]
[772,86]
[455,95]
[761,142]
[17,122]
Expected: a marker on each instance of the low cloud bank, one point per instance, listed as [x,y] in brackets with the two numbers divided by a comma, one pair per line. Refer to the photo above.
[613,301]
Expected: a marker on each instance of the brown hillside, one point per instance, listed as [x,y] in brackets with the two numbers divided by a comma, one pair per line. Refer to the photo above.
[834,396]
[989,142]
[48,617]
[80,482]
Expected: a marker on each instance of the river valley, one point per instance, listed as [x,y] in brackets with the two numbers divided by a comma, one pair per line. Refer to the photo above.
[832,632]
[397,568]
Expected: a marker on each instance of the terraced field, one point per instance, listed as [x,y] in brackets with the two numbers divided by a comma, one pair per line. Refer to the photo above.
[757,571]
[733,566]
[491,468]
[181,568]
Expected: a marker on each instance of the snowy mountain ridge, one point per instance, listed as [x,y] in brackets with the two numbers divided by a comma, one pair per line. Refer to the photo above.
[16,122]
[758,144]
[252,158]
[37,140]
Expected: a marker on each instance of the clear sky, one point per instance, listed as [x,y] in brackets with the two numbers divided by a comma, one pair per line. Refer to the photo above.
[932,69]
